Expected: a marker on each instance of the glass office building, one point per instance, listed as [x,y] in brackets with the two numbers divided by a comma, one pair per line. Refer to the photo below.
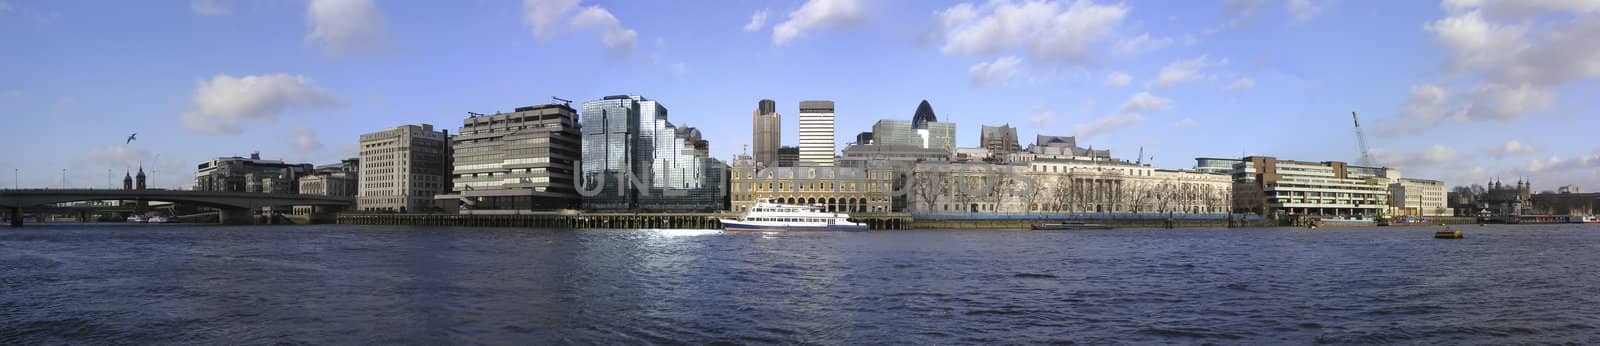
[634,159]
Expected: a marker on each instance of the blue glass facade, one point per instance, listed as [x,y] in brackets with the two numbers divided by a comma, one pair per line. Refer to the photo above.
[628,140]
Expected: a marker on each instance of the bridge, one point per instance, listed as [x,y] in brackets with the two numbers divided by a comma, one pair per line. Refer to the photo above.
[233,207]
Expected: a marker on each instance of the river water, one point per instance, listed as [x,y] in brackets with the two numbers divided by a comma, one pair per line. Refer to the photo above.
[161,284]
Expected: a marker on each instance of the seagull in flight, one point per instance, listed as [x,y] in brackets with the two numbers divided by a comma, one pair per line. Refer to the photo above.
[132,137]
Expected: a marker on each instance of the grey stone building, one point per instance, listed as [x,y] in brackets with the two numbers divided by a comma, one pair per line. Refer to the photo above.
[402,168]
[239,174]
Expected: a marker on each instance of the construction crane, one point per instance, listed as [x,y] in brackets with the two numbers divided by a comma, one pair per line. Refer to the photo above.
[1361,138]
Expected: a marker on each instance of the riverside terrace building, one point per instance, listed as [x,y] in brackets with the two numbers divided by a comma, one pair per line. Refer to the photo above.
[1052,186]
[508,163]
[402,168]
[836,189]
[339,179]
[238,174]
[1418,197]
[635,160]
[1269,186]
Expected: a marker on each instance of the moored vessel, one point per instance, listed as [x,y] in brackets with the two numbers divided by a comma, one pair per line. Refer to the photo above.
[1068,225]
[766,216]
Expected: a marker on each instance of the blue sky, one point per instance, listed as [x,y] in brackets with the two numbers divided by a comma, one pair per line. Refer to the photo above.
[1460,90]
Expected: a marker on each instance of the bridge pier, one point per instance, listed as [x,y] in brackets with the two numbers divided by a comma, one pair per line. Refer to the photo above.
[236,216]
[16,216]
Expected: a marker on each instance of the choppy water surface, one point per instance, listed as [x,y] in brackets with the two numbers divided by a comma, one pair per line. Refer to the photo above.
[347,284]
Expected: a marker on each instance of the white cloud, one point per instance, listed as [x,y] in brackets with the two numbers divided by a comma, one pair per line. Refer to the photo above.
[1496,101]
[1106,124]
[1127,115]
[62,105]
[1237,12]
[344,26]
[1048,31]
[303,139]
[680,69]
[1522,8]
[209,8]
[1184,124]
[1241,84]
[1511,148]
[221,104]
[5,7]
[121,155]
[819,15]
[1044,118]
[1144,101]
[1513,65]
[544,16]
[1433,156]
[985,73]
[757,21]
[1118,79]
[1140,45]
[13,93]
[1587,161]
[1303,10]
[1184,71]
[619,39]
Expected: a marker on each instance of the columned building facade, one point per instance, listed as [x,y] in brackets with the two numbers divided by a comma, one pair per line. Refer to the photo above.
[836,189]
[1065,186]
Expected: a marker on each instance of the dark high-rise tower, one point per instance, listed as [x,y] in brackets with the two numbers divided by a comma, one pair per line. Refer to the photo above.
[923,116]
[766,133]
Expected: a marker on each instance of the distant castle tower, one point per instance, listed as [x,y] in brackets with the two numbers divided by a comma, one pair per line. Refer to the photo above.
[127,180]
[139,180]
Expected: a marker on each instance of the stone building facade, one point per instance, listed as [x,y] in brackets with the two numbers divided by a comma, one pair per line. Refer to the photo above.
[837,189]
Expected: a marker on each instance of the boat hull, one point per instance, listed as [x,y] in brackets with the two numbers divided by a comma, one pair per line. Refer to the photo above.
[1058,227]
[740,226]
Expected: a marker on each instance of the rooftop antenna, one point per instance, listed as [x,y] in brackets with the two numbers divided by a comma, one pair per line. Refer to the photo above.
[563,101]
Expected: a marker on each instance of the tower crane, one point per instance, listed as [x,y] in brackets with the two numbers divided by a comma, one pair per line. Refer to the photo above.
[1361,138]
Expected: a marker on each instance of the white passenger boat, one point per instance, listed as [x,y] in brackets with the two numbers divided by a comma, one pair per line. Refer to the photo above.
[136,219]
[766,216]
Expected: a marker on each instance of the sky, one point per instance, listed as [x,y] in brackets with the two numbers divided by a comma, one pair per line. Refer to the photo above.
[1458,90]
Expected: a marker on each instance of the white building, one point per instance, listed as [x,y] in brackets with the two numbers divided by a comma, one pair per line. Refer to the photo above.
[1418,197]
[816,133]
[402,168]
[1066,186]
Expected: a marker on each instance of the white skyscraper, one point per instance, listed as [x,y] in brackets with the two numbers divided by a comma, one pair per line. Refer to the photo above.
[816,133]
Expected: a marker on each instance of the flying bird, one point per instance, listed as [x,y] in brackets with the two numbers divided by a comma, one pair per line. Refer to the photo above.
[132,137]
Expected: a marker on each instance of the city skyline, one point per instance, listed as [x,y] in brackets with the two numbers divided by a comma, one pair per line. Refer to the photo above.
[1179,80]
